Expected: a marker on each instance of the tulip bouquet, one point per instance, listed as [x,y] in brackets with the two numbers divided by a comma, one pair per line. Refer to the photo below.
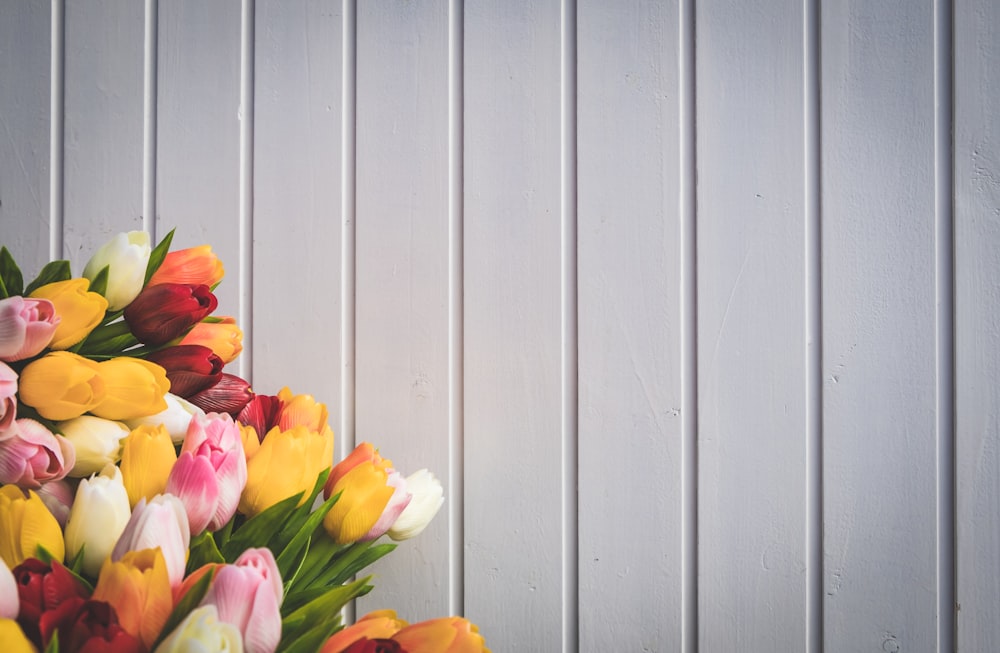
[150,501]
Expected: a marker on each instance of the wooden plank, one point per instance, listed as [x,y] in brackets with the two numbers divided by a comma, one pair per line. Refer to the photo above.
[402,274]
[977,330]
[297,200]
[751,326]
[879,329]
[198,133]
[629,337]
[102,172]
[25,76]
[513,544]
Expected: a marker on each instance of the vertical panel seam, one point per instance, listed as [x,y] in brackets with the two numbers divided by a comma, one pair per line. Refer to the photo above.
[247,50]
[570,346]
[348,239]
[149,119]
[456,310]
[688,326]
[57,108]
[945,315]
[814,325]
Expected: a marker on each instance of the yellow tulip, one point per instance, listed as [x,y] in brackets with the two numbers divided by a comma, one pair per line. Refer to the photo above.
[147,458]
[138,588]
[78,309]
[61,385]
[133,388]
[286,463]
[251,442]
[13,638]
[224,338]
[26,524]
[364,495]
[301,410]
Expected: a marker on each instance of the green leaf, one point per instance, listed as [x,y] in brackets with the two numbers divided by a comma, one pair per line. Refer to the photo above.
[11,281]
[323,551]
[53,646]
[184,608]
[321,615]
[100,282]
[157,255]
[52,272]
[288,557]
[259,528]
[298,518]
[203,551]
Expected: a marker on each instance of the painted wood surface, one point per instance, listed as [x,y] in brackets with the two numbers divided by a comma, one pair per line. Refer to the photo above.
[459,225]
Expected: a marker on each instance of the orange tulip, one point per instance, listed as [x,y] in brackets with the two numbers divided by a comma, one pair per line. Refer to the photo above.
[224,338]
[382,624]
[444,635]
[138,588]
[195,265]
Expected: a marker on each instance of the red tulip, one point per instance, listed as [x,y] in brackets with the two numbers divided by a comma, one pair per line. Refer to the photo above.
[261,413]
[42,588]
[190,368]
[88,627]
[230,395]
[164,312]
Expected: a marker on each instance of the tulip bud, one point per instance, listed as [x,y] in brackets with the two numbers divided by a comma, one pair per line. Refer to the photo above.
[372,496]
[61,385]
[87,625]
[210,473]
[78,309]
[443,634]
[175,418]
[230,395]
[164,312]
[126,256]
[224,338]
[248,595]
[138,587]
[27,326]
[9,602]
[97,442]
[97,519]
[261,412]
[8,400]
[286,463]
[162,523]
[27,524]
[194,265]
[42,589]
[190,368]
[202,630]
[428,495]
[381,624]
[34,455]
[133,388]
[147,458]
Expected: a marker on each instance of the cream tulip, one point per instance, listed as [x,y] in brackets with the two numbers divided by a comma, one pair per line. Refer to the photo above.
[97,442]
[126,256]
[428,495]
[97,519]
[202,631]
[10,603]
[175,418]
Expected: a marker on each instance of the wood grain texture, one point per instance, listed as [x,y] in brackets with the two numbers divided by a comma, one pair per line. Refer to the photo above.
[198,132]
[297,200]
[402,274]
[25,42]
[102,170]
[878,332]
[751,326]
[512,323]
[977,326]
[629,369]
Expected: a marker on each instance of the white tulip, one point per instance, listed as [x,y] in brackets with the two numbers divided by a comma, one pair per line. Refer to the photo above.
[428,495]
[97,519]
[10,602]
[97,442]
[202,631]
[126,256]
[175,418]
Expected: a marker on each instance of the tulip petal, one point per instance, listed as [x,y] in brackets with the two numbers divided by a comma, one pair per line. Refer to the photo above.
[192,480]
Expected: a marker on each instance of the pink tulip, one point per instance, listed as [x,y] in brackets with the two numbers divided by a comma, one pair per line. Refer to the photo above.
[34,455]
[58,498]
[210,472]
[10,601]
[8,400]
[160,523]
[248,595]
[26,327]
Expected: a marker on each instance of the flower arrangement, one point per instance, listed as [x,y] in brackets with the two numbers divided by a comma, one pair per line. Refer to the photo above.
[150,501]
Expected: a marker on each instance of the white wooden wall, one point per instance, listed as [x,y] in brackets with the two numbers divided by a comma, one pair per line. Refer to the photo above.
[692,304]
